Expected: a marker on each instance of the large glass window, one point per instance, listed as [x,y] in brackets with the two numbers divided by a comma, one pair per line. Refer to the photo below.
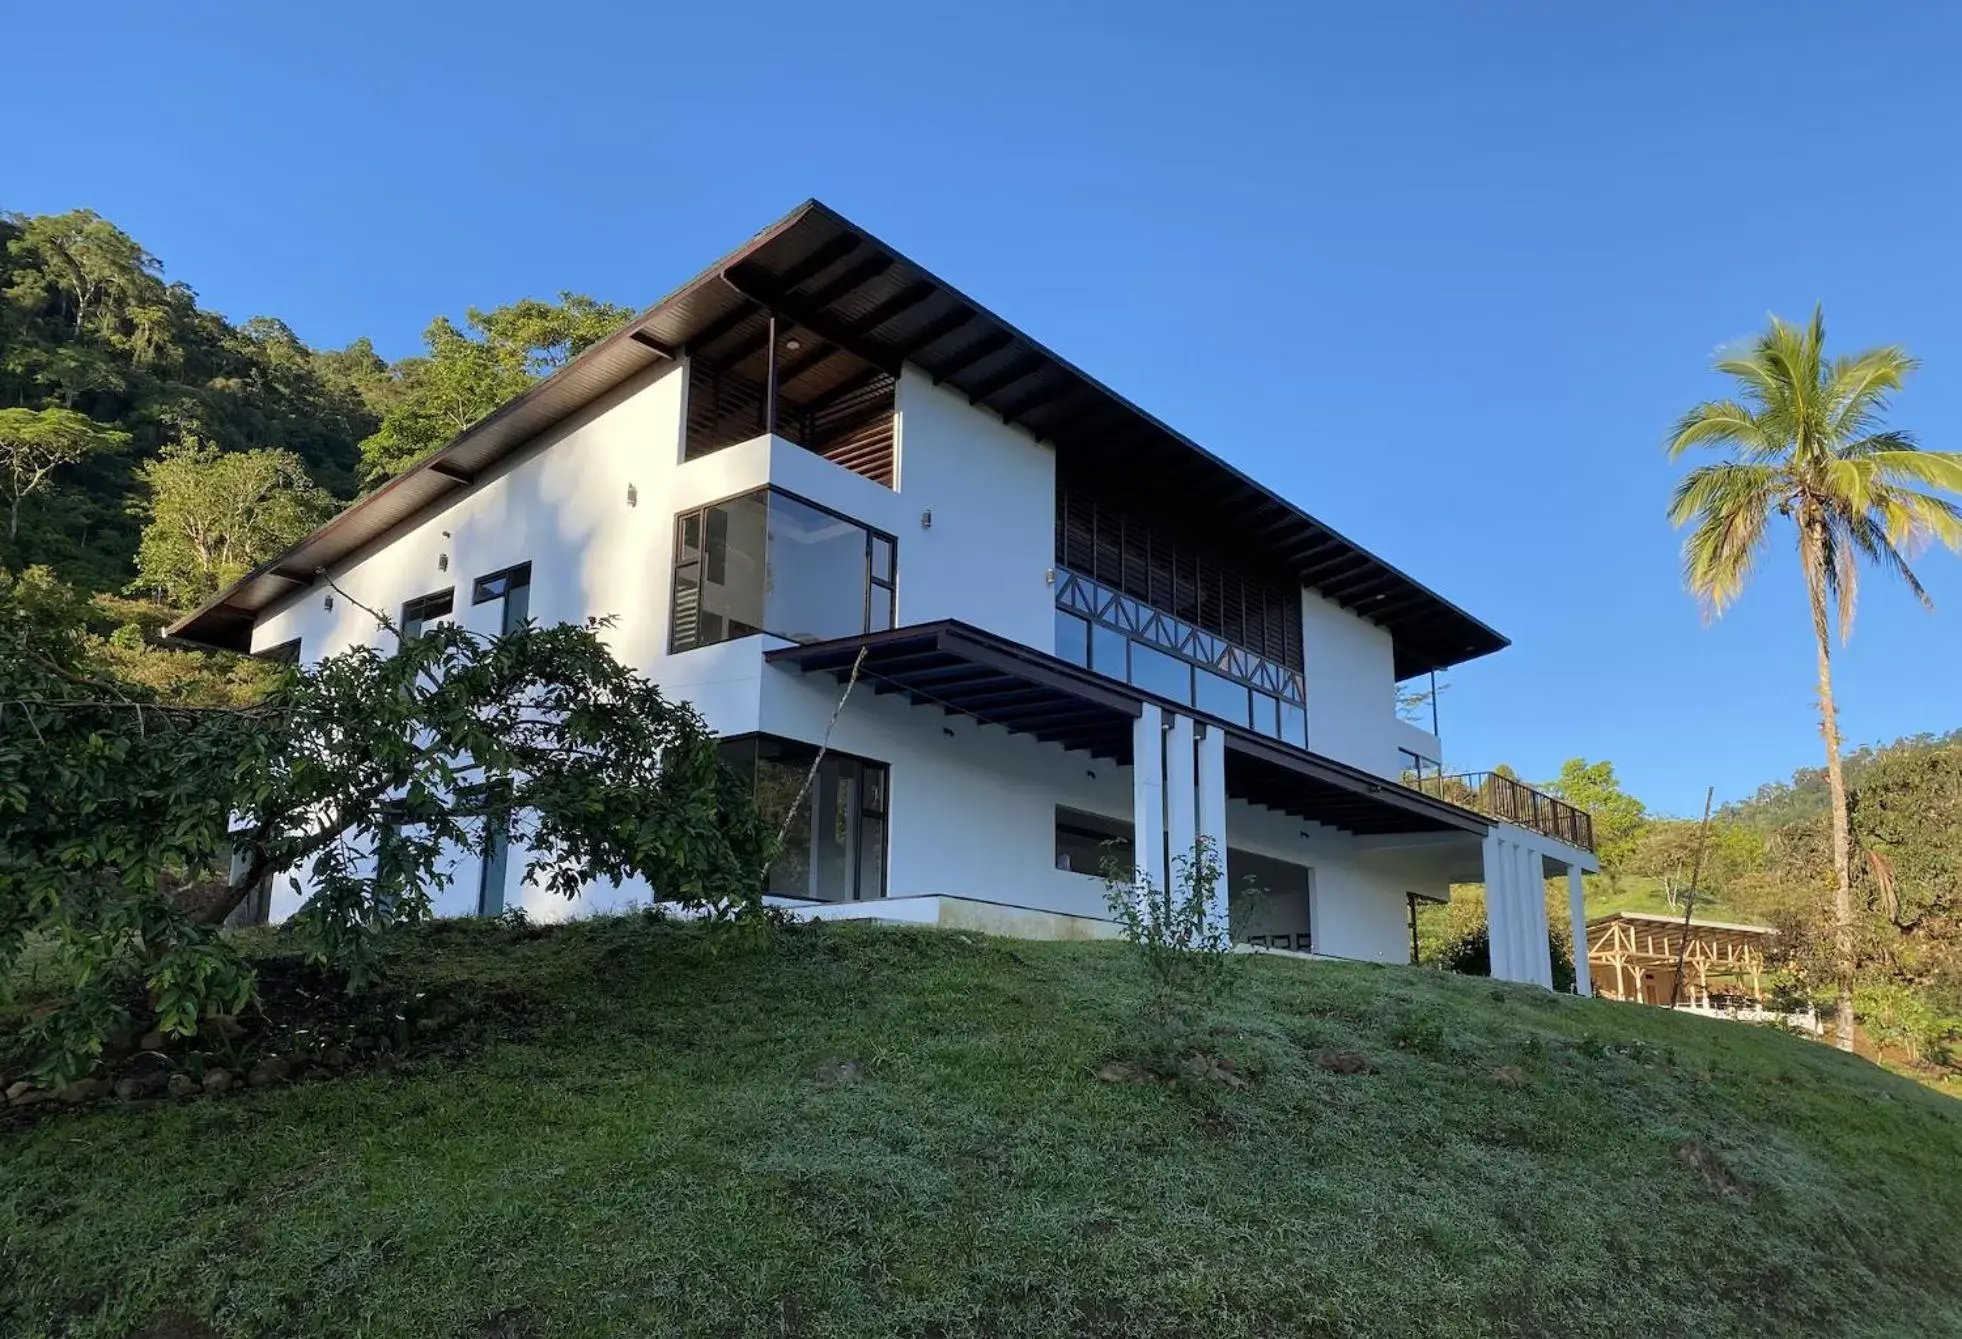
[1220,696]
[835,846]
[1143,646]
[771,562]
[1156,672]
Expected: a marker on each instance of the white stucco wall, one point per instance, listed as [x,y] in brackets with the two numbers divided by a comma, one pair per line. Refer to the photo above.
[1350,667]
[992,491]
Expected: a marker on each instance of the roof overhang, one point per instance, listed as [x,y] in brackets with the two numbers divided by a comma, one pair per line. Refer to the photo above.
[965,671]
[851,291]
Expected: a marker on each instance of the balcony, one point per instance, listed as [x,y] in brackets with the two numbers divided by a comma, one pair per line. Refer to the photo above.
[1511,801]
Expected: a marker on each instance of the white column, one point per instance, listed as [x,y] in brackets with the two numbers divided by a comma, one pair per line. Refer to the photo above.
[1148,795]
[1577,910]
[1212,815]
[1498,904]
[1181,793]
[1536,944]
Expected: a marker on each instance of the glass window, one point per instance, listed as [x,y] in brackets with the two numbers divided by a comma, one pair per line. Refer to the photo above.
[1072,638]
[1156,672]
[1110,652]
[513,587]
[493,802]
[1219,696]
[1267,717]
[1294,725]
[835,847]
[769,562]
[734,568]
[817,574]
[421,612]
[1089,843]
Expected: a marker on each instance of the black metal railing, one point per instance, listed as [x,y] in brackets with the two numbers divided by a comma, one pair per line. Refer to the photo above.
[1511,800]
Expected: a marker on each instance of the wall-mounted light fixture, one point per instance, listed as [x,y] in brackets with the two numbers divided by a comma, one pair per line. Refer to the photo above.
[442,562]
[1049,576]
[633,496]
[328,603]
[926,519]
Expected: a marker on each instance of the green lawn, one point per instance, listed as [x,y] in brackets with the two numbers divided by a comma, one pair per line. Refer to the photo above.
[663,1144]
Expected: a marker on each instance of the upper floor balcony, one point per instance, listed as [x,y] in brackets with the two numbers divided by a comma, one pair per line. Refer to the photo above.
[1509,800]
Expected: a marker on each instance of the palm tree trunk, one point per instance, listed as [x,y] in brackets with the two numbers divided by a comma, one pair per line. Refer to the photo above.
[1843,960]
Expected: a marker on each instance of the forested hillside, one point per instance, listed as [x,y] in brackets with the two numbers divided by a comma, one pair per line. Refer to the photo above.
[150,444]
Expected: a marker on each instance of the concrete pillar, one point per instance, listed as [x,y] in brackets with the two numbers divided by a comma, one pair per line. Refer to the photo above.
[1525,961]
[1181,793]
[1577,909]
[1539,937]
[1498,904]
[1148,795]
[1515,911]
[1212,814]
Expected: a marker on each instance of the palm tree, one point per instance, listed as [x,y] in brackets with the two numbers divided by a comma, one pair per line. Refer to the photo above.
[1808,444]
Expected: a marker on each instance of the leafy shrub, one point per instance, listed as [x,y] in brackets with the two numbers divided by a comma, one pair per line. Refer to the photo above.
[1471,955]
[1179,938]
[133,827]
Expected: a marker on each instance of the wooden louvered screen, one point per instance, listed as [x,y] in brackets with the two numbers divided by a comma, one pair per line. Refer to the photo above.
[723,408]
[855,429]
[1172,572]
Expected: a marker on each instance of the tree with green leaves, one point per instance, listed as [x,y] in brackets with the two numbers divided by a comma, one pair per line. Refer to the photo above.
[134,827]
[469,372]
[1618,816]
[1667,850]
[214,515]
[34,443]
[1809,444]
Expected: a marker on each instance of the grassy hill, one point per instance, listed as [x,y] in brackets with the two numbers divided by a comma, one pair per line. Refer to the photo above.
[865,1131]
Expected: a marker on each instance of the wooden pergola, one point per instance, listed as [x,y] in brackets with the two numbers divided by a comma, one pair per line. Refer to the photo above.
[1632,955]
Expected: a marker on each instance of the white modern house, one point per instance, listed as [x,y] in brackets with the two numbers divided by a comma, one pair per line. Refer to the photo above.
[1073,626]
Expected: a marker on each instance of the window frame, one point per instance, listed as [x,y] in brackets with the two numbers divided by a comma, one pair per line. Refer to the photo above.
[874,802]
[871,579]
[1084,823]
[515,577]
[447,596]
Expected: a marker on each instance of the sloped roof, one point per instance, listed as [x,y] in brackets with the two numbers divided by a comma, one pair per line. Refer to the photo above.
[857,295]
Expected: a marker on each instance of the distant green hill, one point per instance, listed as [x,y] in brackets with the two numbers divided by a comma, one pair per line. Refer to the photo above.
[866,1131]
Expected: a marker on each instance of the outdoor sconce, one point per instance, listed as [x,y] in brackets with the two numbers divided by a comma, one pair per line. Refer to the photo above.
[328,603]
[926,519]
[442,562]
[633,496]
[1049,576]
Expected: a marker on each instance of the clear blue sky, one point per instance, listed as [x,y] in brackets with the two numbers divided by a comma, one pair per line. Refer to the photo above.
[1443,274]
